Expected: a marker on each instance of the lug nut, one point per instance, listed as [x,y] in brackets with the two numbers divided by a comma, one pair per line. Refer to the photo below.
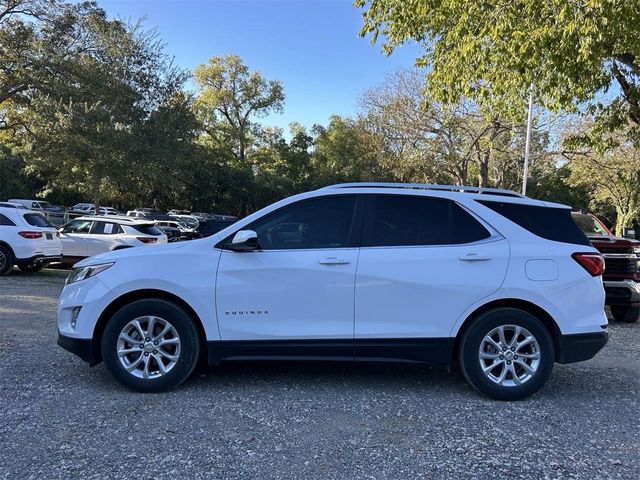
[141,345]
[147,339]
[155,351]
[146,354]
[508,362]
[155,343]
[515,357]
[513,349]
[501,357]
[504,349]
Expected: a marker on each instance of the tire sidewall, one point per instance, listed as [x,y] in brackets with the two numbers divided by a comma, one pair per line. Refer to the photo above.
[31,267]
[9,256]
[168,311]
[625,314]
[470,347]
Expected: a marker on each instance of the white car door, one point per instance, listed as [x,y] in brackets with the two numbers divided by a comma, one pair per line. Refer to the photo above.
[102,237]
[423,262]
[74,238]
[299,283]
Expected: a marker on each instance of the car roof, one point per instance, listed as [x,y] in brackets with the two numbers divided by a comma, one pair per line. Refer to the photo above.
[445,191]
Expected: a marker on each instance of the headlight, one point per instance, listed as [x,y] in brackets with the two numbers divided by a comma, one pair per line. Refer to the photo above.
[82,273]
[636,250]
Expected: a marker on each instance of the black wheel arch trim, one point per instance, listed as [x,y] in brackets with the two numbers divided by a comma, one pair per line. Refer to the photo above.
[142,294]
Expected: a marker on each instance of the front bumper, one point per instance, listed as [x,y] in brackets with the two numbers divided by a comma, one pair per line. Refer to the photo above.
[581,346]
[82,347]
[622,292]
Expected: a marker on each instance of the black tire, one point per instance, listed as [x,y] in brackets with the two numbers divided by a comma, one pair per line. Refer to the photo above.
[6,260]
[172,314]
[31,267]
[625,313]
[471,342]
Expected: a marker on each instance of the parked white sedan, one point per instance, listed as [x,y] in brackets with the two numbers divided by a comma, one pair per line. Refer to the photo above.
[88,236]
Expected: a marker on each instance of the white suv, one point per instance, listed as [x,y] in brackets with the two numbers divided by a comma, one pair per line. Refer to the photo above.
[27,239]
[501,284]
[89,235]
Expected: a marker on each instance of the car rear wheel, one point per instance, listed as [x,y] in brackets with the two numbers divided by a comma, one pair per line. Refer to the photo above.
[6,260]
[507,354]
[31,267]
[625,314]
[151,345]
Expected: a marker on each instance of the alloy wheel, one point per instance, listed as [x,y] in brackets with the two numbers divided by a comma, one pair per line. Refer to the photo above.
[509,355]
[148,347]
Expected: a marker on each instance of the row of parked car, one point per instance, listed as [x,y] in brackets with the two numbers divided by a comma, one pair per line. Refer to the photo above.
[31,241]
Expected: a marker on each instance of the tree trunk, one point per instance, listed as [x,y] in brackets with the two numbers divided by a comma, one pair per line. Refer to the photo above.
[484,168]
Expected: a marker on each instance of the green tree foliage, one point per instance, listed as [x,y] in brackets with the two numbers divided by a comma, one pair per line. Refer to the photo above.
[230,96]
[105,113]
[612,178]
[491,52]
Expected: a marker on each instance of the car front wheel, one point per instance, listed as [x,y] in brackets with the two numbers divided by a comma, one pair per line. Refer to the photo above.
[151,345]
[507,354]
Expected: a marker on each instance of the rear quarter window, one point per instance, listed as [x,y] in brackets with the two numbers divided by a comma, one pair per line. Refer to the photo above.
[147,230]
[36,220]
[551,223]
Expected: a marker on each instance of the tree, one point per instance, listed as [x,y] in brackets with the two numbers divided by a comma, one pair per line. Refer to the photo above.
[346,151]
[612,177]
[39,42]
[491,52]
[86,130]
[426,141]
[230,95]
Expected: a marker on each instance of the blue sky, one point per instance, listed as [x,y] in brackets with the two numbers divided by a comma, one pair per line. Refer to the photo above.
[311,46]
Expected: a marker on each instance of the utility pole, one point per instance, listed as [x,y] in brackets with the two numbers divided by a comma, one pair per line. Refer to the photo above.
[528,142]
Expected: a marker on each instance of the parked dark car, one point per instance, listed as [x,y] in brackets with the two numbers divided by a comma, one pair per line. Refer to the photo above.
[173,234]
[214,224]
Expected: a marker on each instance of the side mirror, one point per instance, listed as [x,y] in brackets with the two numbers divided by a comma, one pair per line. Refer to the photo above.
[244,241]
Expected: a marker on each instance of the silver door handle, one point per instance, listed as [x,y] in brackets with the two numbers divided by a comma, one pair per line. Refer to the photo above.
[335,261]
[472,257]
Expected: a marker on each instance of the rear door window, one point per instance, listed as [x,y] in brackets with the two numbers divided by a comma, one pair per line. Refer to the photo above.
[405,220]
[5,222]
[551,223]
[106,228]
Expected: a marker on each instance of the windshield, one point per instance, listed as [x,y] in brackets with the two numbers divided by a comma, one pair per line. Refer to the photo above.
[589,225]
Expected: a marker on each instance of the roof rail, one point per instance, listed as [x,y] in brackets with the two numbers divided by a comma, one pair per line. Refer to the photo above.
[429,186]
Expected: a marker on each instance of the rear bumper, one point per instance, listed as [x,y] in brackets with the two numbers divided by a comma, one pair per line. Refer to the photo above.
[82,347]
[581,346]
[622,292]
[37,259]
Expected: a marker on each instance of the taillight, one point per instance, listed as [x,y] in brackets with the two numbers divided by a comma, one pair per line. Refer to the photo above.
[591,262]
[30,234]
[147,239]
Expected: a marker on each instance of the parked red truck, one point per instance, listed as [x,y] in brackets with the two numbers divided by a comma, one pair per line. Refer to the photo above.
[622,267]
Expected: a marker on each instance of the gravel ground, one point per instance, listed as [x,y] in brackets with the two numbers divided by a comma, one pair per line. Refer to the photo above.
[61,419]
